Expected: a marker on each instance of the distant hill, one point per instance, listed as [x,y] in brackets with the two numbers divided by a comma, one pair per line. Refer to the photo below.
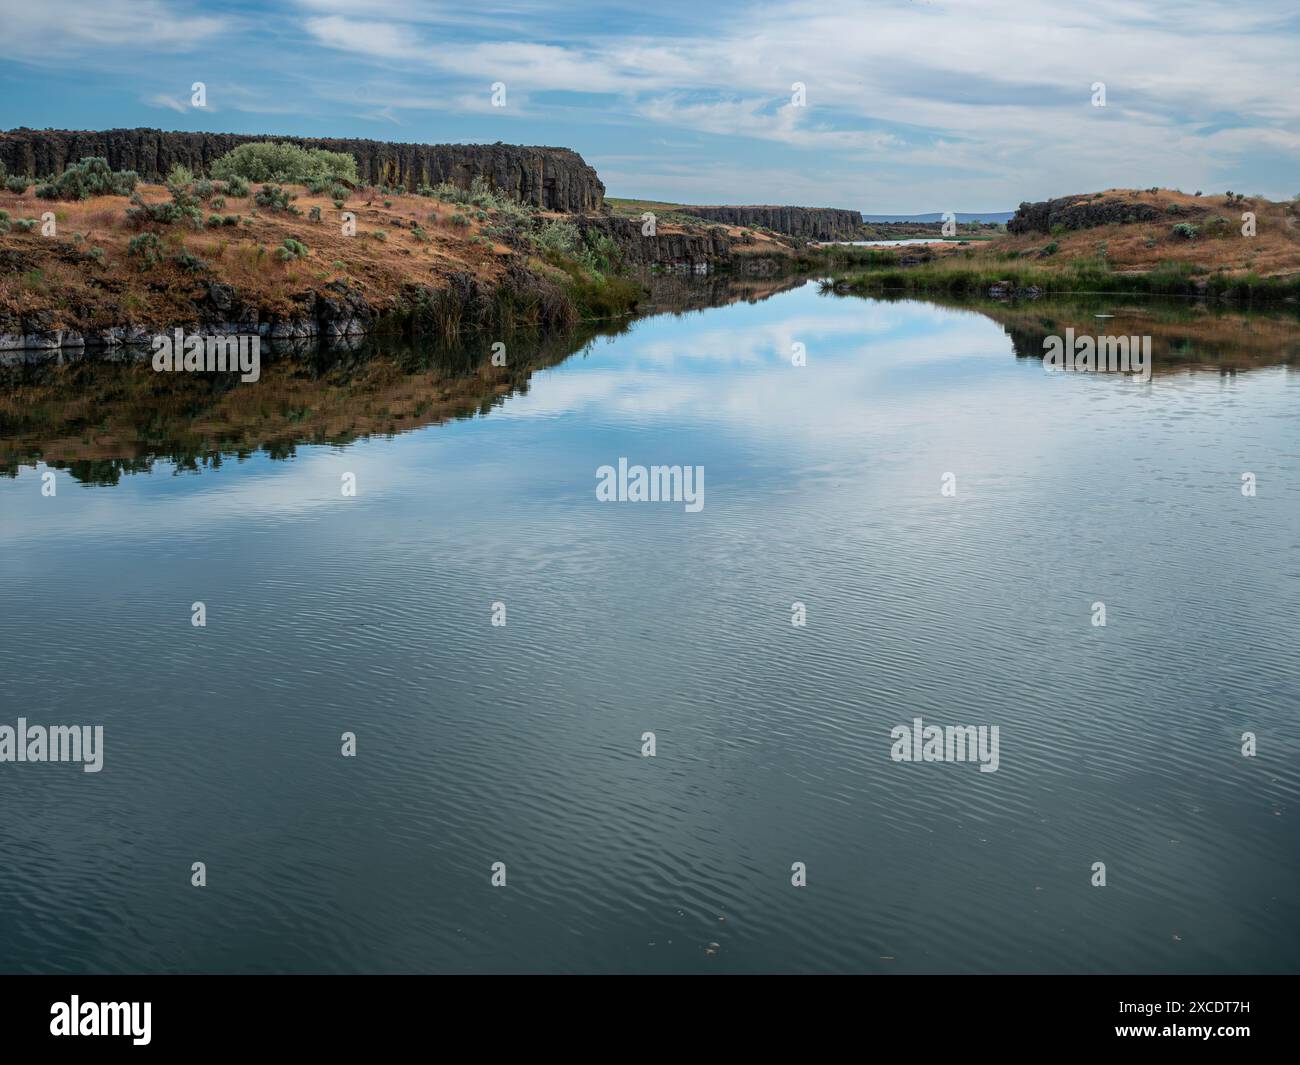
[937,216]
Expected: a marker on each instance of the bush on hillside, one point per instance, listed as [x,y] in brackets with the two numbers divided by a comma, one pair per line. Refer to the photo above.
[281,163]
[274,198]
[92,176]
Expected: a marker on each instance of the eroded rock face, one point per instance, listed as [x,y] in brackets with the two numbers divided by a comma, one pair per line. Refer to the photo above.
[707,244]
[555,179]
[811,223]
[1078,212]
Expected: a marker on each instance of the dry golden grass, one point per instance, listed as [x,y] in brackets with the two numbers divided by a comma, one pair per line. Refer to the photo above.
[1273,252]
[57,274]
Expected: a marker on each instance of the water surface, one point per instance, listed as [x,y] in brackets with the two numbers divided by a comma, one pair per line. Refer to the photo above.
[522,744]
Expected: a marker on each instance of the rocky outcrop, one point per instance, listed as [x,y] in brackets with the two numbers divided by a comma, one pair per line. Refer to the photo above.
[669,246]
[555,179]
[1078,212]
[333,312]
[811,223]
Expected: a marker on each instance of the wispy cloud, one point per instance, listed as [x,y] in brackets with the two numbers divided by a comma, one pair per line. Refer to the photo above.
[163,100]
[55,30]
[909,105]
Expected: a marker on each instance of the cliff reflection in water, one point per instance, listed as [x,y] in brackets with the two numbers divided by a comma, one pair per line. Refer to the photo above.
[103,414]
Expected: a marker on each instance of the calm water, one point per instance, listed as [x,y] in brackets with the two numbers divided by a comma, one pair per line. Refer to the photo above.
[893,243]
[522,744]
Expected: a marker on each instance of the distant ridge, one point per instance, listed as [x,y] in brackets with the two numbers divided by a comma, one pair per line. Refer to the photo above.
[937,216]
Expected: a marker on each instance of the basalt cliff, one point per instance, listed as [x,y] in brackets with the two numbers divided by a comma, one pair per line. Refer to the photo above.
[554,179]
[1080,212]
[810,223]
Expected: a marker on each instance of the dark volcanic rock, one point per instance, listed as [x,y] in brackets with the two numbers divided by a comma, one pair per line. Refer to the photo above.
[812,223]
[556,179]
[1078,212]
[707,244]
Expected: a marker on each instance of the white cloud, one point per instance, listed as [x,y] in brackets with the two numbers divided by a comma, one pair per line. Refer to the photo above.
[955,102]
[54,30]
[163,100]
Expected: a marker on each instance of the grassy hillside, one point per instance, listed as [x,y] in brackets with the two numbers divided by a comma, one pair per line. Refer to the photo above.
[1191,245]
[101,267]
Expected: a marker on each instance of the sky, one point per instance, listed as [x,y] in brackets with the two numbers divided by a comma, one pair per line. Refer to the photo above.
[906,106]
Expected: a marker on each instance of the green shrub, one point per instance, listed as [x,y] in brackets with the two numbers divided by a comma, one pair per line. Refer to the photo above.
[218,203]
[204,189]
[388,203]
[17,184]
[183,207]
[281,163]
[557,236]
[449,193]
[236,186]
[231,220]
[179,175]
[338,205]
[190,262]
[291,250]
[339,192]
[1051,249]
[605,253]
[24,225]
[4,216]
[379,234]
[314,214]
[458,219]
[481,192]
[147,248]
[1185,230]
[273,198]
[92,176]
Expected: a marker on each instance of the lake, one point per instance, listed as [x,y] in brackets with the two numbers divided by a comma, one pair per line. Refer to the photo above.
[962,600]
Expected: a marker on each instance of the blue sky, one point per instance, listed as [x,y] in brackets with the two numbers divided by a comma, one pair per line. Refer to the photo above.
[927,105]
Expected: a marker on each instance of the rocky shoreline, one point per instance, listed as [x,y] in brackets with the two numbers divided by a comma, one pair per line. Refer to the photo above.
[332,314]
